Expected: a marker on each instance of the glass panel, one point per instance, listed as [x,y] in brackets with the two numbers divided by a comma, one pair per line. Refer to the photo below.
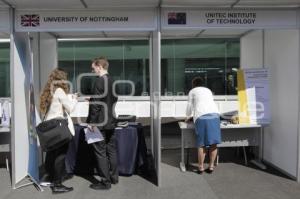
[135,68]
[184,59]
[128,60]
[233,64]
[4,70]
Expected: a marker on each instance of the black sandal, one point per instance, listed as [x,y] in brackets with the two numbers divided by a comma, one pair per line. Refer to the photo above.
[210,170]
[200,171]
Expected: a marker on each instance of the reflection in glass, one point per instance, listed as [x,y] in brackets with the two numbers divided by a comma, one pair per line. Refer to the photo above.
[216,60]
[128,60]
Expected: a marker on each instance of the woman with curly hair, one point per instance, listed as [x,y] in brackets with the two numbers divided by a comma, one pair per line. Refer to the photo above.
[54,102]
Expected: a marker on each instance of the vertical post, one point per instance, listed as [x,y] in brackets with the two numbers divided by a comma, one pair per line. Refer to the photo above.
[155,97]
[12,128]
[298,135]
[151,96]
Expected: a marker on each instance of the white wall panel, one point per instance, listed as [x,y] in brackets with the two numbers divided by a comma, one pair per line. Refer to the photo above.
[252,50]
[4,20]
[48,57]
[280,140]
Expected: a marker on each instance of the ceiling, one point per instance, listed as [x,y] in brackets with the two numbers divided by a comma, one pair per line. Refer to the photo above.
[99,4]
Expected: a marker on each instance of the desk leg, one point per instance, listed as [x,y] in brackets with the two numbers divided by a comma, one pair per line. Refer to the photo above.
[182,163]
[7,164]
[245,155]
[258,162]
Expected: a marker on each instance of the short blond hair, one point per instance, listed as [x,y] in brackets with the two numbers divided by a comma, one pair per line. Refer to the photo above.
[101,61]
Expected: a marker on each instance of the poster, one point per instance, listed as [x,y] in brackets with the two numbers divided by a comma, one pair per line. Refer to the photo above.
[253,96]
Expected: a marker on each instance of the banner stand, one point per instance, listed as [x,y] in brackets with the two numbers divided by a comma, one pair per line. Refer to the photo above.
[254,103]
[23,137]
[31,182]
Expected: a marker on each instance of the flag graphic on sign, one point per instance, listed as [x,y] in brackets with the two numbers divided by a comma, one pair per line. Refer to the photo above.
[30,20]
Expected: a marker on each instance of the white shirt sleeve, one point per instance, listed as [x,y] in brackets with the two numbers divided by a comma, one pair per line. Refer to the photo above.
[67,103]
[189,107]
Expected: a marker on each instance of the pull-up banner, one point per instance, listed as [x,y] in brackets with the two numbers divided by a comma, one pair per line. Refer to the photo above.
[118,20]
[4,21]
[178,18]
[253,95]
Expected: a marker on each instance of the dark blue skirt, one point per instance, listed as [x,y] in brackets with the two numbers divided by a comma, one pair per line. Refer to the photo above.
[207,129]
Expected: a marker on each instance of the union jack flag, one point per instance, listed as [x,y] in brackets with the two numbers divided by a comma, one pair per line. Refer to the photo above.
[30,20]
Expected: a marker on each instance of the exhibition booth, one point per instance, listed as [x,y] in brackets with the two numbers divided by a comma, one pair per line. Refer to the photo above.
[163,38]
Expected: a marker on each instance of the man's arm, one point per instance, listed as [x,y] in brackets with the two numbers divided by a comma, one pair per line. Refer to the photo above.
[95,107]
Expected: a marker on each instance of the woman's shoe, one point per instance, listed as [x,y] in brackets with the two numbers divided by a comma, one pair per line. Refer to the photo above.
[209,170]
[200,171]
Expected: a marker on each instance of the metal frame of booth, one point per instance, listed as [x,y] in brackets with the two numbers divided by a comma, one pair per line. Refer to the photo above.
[19,115]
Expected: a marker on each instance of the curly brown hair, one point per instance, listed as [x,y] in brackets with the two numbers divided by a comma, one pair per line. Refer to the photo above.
[57,79]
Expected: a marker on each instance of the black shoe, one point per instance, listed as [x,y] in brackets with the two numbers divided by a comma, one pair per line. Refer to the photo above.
[200,172]
[209,170]
[59,188]
[100,186]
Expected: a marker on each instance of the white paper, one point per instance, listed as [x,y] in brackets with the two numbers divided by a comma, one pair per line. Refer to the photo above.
[45,184]
[5,114]
[93,136]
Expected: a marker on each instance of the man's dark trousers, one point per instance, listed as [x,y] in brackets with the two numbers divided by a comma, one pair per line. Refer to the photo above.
[106,157]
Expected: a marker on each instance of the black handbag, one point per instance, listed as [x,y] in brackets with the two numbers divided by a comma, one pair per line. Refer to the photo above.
[53,133]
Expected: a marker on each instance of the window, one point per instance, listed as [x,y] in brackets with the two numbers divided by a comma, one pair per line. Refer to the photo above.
[4,70]
[128,60]
[215,60]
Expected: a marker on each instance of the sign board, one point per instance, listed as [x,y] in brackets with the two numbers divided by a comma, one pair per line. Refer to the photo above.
[200,19]
[118,20]
[4,21]
[253,95]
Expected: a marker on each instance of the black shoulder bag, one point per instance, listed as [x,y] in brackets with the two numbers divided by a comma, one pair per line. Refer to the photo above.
[53,133]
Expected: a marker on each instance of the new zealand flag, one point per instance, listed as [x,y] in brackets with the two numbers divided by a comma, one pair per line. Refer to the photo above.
[30,20]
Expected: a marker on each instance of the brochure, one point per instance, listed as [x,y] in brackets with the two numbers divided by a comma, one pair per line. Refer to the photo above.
[93,136]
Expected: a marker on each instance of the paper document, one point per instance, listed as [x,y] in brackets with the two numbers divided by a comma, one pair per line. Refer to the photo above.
[93,136]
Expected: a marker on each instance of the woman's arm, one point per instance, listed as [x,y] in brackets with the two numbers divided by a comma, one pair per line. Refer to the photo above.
[189,108]
[67,103]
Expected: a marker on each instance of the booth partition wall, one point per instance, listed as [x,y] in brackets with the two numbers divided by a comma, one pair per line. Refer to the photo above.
[215,59]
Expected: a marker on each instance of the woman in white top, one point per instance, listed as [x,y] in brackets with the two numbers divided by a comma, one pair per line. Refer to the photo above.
[54,103]
[202,108]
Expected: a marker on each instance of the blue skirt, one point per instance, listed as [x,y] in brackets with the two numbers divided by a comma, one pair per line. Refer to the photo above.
[207,128]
